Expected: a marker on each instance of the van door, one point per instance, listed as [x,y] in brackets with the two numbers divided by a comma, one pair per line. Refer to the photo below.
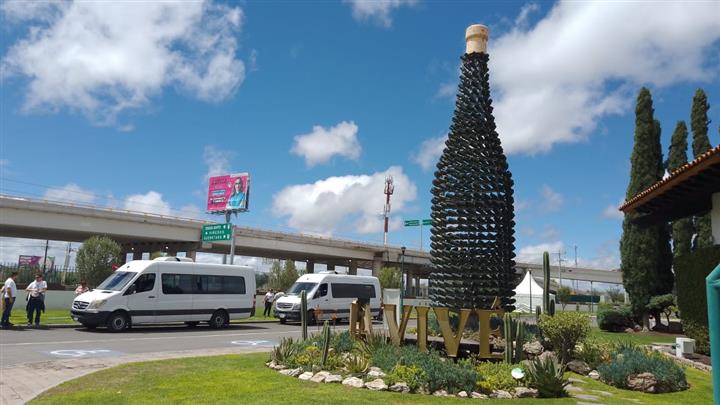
[175,302]
[142,298]
[322,302]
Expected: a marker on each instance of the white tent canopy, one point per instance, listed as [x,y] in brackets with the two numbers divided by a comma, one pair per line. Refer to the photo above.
[529,294]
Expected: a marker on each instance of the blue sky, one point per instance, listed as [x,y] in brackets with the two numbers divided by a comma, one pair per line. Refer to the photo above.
[134,106]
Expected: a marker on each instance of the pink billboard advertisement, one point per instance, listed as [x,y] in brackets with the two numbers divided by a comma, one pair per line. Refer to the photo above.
[228,193]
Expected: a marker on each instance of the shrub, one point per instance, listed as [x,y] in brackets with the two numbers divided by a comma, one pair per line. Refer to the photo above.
[495,376]
[615,318]
[342,342]
[356,364]
[662,304]
[285,351]
[547,375]
[565,330]
[628,360]
[593,352]
[389,277]
[95,259]
[691,271]
[413,376]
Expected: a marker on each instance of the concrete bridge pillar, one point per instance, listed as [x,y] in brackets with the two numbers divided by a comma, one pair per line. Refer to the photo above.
[352,268]
[137,255]
[310,267]
[191,254]
[330,267]
[377,266]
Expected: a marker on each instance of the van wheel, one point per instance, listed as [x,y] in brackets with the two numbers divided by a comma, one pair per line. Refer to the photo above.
[117,322]
[192,324]
[219,319]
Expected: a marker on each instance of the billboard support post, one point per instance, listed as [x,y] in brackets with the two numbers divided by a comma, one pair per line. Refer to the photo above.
[232,237]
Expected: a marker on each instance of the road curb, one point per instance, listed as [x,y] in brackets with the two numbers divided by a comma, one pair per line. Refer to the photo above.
[77,325]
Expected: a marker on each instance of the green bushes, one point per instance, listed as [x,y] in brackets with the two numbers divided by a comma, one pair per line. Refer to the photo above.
[495,376]
[615,318]
[547,375]
[342,342]
[565,330]
[691,271]
[593,352]
[413,376]
[629,360]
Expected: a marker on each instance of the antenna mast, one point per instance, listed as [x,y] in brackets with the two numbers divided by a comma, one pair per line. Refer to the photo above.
[389,188]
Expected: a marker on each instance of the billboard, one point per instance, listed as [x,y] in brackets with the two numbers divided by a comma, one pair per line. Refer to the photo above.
[228,193]
[35,261]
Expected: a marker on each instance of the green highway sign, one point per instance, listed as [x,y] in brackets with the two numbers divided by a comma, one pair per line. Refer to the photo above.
[412,222]
[427,222]
[215,232]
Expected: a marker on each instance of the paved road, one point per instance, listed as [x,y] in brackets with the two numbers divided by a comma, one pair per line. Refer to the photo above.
[35,345]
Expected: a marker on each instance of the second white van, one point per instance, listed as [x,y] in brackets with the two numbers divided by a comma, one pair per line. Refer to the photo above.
[168,289]
[329,296]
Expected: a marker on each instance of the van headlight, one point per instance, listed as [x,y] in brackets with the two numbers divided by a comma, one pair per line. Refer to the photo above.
[96,304]
[296,307]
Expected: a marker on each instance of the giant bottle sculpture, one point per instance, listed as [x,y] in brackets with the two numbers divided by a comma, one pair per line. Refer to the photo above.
[472,243]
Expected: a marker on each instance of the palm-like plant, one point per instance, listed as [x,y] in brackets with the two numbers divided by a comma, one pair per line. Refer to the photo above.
[547,375]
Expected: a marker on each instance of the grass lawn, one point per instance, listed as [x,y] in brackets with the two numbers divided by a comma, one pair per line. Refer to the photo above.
[641,338]
[235,379]
[50,316]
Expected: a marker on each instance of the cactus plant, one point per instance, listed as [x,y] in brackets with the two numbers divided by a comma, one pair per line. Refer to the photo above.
[551,309]
[507,328]
[546,281]
[519,340]
[325,343]
[303,314]
[538,312]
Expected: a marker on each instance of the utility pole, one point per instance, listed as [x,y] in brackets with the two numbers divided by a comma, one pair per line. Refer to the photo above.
[389,189]
[47,242]
[560,260]
[66,263]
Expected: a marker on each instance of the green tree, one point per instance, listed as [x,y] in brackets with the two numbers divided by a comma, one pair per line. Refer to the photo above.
[645,252]
[701,144]
[261,279]
[563,295]
[662,304]
[682,229]
[95,259]
[282,276]
[616,295]
[389,277]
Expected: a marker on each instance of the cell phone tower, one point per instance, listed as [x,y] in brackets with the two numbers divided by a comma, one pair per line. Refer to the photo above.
[389,189]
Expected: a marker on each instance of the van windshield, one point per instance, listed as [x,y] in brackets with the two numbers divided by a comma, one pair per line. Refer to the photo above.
[297,288]
[116,281]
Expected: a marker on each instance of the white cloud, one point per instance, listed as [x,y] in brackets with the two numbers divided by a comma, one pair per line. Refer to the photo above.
[522,19]
[612,211]
[534,253]
[553,82]
[102,58]
[355,201]
[217,161]
[70,193]
[320,145]
[446,90]
[551,200]
[151,202]
[430,151]
[377,10]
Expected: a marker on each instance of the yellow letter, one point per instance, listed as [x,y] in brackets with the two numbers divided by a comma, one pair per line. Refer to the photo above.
[396,334]
[452,340]
[484,326]
[422,327]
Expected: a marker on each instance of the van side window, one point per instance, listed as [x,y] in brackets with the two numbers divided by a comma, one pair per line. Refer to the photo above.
[146,282]
[323,290]
[218,285]
[345,290]
[177,284]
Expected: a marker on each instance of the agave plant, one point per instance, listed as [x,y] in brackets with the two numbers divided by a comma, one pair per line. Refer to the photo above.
[284,351]
[547,375]
[356,364]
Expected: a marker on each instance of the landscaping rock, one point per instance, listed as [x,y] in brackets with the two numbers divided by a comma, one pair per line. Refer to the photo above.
[333,378]
[645,382]
[477,395]
[376,385]
[462,394]
[533,348]
[637,328]
[604,393]
[594,375]
[292,372]
[576,380]
[580,367]
[629,330]
[320,376]
[353,382]
[441,393]
[423,391]
[547,354]
[645,329]
[400,387]
[306,376]
[572,388]
[375,373]
[587,397]
[524,392]
[500,394]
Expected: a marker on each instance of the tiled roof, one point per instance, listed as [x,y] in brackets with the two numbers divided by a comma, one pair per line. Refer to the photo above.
[711,154]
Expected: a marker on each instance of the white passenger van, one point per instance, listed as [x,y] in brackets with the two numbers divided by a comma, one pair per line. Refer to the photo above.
[168,289]
[329,295]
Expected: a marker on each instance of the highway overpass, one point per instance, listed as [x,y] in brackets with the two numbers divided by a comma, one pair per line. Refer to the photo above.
[145,232]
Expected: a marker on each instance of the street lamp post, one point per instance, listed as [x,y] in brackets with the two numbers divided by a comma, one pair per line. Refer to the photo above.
[402,279]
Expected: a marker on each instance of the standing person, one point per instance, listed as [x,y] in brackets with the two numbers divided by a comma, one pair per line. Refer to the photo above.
[237,196]
[269,296]
[82,288]
[36,299]
[9,294]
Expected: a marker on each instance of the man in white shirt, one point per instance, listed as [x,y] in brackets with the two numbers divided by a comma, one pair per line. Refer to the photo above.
[36,299]
[269,297]
[9,293]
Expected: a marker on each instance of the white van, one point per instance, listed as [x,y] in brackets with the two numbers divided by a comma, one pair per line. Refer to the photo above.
[329,296]
[168,289]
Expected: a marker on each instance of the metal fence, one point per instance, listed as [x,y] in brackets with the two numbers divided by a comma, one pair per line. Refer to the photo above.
[55,276]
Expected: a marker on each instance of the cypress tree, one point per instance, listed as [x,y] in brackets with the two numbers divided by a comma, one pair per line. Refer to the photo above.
[645,251]
[701,144]
[682,229]
[472,242]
